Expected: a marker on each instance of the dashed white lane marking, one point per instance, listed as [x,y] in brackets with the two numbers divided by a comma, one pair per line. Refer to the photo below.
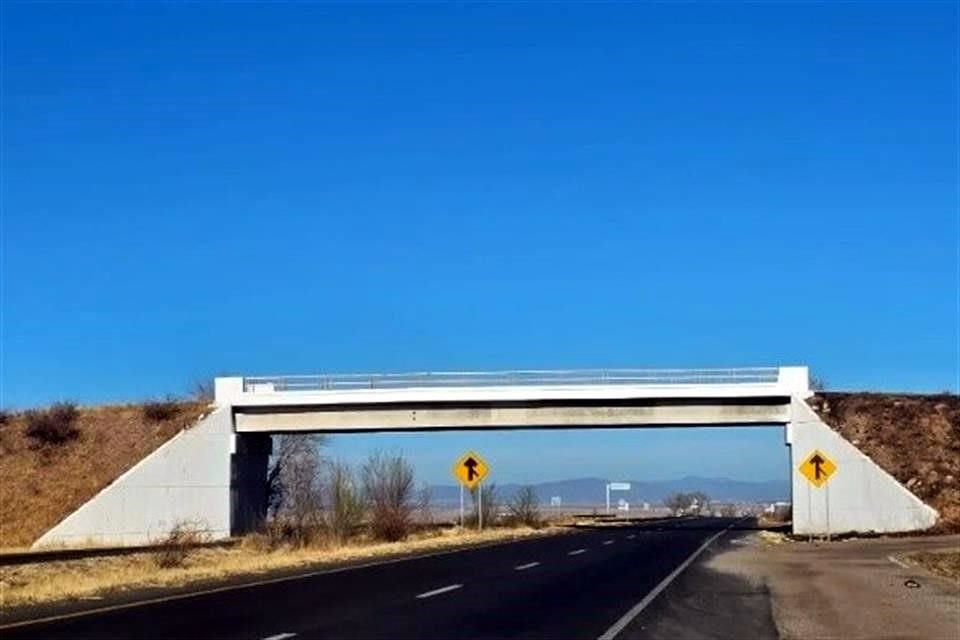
[577,552]
[280,636]
[631,537]
[608,542]
[436,592]
[898,562]
[618,626]
[524,567]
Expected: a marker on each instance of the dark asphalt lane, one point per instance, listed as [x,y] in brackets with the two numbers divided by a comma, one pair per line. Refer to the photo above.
[580,585]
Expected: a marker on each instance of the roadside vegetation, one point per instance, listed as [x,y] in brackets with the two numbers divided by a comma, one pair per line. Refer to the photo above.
[694,503]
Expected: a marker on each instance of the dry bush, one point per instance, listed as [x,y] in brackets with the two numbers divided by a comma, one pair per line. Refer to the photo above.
[52,426]
[160,410]
[5,417]
[345,498]
[388,486]
[525,508]
[177,546]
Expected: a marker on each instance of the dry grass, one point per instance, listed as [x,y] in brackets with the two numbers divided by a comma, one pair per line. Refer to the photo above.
[942,563]
[40,486]
[77,579]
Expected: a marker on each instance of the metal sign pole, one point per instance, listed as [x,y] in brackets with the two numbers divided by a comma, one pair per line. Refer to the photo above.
[480,507]
[608,498]
[461,506]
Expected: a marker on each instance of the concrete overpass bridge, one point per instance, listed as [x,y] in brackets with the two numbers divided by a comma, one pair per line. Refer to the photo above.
[213,474]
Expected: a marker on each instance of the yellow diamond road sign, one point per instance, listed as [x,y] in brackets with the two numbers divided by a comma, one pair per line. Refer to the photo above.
[470,469]
[818,468]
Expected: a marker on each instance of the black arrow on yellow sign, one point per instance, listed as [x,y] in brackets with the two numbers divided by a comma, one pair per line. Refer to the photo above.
[816,461]
[471,466]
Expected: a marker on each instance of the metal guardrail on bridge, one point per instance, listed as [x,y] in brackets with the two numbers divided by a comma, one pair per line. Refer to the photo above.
[324,382]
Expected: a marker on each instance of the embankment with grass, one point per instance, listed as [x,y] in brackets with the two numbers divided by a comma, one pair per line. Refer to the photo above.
[53,460]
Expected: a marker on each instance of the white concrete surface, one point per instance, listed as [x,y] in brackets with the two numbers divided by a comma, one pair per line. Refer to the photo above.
[859,497]
[491,416]
[186,480]
[232,391]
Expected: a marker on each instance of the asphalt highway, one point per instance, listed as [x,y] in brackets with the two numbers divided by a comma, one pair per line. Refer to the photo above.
[595,583]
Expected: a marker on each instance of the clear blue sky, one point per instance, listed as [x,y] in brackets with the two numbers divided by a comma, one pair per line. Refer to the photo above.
[201,188]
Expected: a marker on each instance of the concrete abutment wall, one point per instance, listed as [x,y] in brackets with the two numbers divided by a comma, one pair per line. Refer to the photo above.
[206,477]
[859,497]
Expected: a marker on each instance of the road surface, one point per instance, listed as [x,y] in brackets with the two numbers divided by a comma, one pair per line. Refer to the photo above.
[596,583]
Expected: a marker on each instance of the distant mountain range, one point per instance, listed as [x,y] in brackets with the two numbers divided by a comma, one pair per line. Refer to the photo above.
[592,490]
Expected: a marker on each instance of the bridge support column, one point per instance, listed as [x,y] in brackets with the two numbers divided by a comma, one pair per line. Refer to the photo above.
[248,482]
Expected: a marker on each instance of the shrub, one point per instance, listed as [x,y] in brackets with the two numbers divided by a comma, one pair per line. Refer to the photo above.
[160,410]
[177,546]
[525,508]
[388,486]
[346,502]
[203,390]
[5,417]
[54,425]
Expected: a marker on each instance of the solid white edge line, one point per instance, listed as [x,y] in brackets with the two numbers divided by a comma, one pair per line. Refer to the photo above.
[576,552]
[524,567]
[280,636]
[634,611]
[436,592]
[258,583]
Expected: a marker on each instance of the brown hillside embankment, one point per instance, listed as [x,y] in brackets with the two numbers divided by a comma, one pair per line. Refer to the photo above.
[46,476]
[914,438]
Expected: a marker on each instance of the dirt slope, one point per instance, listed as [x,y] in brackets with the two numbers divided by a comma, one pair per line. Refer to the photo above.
[40,485]
[915,438]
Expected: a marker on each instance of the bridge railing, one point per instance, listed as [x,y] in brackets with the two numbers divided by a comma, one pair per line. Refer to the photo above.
[324,382]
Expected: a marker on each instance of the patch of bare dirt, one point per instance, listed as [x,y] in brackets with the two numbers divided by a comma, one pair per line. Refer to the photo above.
[914,438]
[40,484]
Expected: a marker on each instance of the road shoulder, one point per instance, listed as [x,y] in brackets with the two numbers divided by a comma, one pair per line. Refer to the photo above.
[854,588]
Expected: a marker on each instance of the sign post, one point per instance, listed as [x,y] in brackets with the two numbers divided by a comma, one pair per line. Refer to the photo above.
[470,470]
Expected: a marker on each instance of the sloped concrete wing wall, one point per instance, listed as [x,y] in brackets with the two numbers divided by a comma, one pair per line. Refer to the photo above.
[186,480]
[859,497]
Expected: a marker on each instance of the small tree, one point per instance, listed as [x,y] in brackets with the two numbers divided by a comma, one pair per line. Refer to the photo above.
[678,502]
[525,508]
[346,501]
[701,500]
[817,383]
[294,490]
[388,486]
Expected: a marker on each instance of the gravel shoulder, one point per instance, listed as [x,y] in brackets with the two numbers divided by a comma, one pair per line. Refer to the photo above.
[852,589]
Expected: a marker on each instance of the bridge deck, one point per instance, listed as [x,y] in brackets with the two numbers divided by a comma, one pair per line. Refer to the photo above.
[513,399]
